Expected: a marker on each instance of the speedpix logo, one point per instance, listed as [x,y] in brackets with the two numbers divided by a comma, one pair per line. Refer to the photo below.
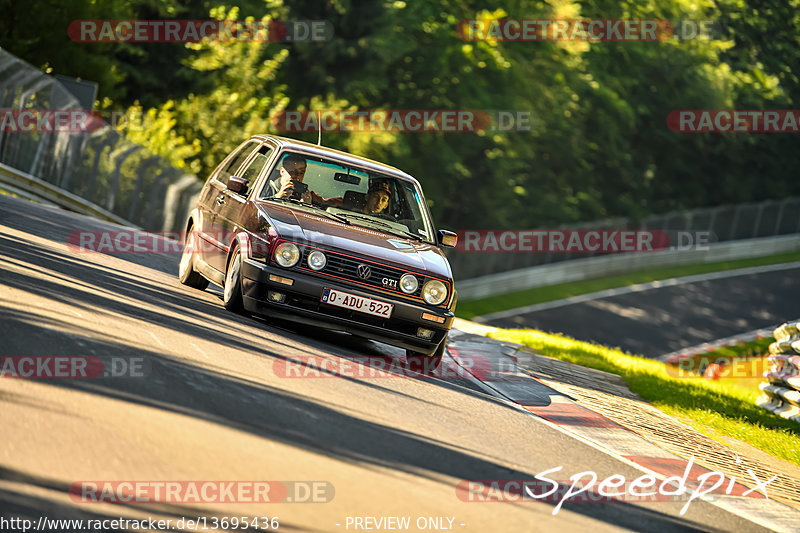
[692,483]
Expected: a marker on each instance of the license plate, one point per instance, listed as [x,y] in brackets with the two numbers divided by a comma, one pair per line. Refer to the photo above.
[356,303]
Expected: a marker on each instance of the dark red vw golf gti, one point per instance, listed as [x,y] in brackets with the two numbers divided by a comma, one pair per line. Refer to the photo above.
[322,237]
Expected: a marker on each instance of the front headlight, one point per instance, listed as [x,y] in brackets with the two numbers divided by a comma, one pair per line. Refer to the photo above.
[409,283]
[287,254]
[317,260]
[434,292]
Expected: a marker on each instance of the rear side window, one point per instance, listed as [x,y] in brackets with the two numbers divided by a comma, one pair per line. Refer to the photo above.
[257,164]
[236,161]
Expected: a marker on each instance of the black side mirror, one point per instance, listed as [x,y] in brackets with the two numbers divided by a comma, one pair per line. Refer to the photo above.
[238,185]
[448,238]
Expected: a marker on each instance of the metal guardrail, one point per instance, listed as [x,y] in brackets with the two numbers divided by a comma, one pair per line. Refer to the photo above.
[33,187]
[781,391]
[754,220]
[98,173]
[615,264]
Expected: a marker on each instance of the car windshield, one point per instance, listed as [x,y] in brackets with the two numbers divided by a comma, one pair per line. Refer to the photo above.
[352,194]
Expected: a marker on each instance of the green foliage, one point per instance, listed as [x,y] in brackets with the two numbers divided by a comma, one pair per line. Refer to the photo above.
[37,32]
[600,146]
[198,131]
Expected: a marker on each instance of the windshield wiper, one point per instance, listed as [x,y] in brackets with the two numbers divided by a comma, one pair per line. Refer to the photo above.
[333,216]
[289,200]
[391,229]
[412,235]
[368,219]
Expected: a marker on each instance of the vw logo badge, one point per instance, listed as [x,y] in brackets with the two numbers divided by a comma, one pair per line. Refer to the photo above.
[364,272]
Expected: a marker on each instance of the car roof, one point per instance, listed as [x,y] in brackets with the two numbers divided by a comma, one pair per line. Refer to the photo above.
[324,151]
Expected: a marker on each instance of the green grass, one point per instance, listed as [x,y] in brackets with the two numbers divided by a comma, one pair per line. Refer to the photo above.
[715,408]
[472,308]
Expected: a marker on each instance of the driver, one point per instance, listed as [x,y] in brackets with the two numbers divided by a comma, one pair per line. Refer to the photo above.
[293,170]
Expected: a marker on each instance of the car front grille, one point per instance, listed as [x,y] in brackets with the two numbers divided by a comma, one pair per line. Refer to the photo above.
[347,267]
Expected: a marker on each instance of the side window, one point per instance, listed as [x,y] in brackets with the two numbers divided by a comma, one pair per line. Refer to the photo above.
[257,164]
[236,161]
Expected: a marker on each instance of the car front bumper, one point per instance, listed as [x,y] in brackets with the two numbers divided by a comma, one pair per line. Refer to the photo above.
[302,304]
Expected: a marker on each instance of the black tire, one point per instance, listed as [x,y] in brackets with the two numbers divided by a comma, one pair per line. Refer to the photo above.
[186,272]
[232,289]
[423,363]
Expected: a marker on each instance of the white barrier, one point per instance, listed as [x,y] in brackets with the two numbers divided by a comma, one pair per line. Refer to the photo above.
[781,391]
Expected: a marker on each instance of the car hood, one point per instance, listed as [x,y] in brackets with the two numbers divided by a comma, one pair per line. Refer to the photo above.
[305,226]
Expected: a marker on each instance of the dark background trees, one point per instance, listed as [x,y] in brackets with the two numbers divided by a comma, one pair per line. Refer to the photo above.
[599,147]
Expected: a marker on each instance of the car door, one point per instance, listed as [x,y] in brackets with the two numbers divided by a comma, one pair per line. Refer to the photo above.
[230,210]
[214,249]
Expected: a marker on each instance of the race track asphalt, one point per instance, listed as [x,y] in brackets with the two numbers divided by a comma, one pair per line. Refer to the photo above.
[669,318]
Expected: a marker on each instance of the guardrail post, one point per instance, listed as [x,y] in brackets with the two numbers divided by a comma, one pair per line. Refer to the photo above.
[24,77]
[150,161]
[110,140]
[150,206]
[172,197]
[757,223]
[734,223]
[76,145]
[112,193]
[780,215]
[713,219]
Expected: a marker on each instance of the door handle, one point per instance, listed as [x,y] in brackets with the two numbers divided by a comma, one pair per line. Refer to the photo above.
[220,199]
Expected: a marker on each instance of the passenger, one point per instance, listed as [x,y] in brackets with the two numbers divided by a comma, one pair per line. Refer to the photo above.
[377,198]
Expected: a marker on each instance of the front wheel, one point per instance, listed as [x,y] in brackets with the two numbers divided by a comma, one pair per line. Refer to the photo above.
[186,272]
[426,364]
[232,291]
